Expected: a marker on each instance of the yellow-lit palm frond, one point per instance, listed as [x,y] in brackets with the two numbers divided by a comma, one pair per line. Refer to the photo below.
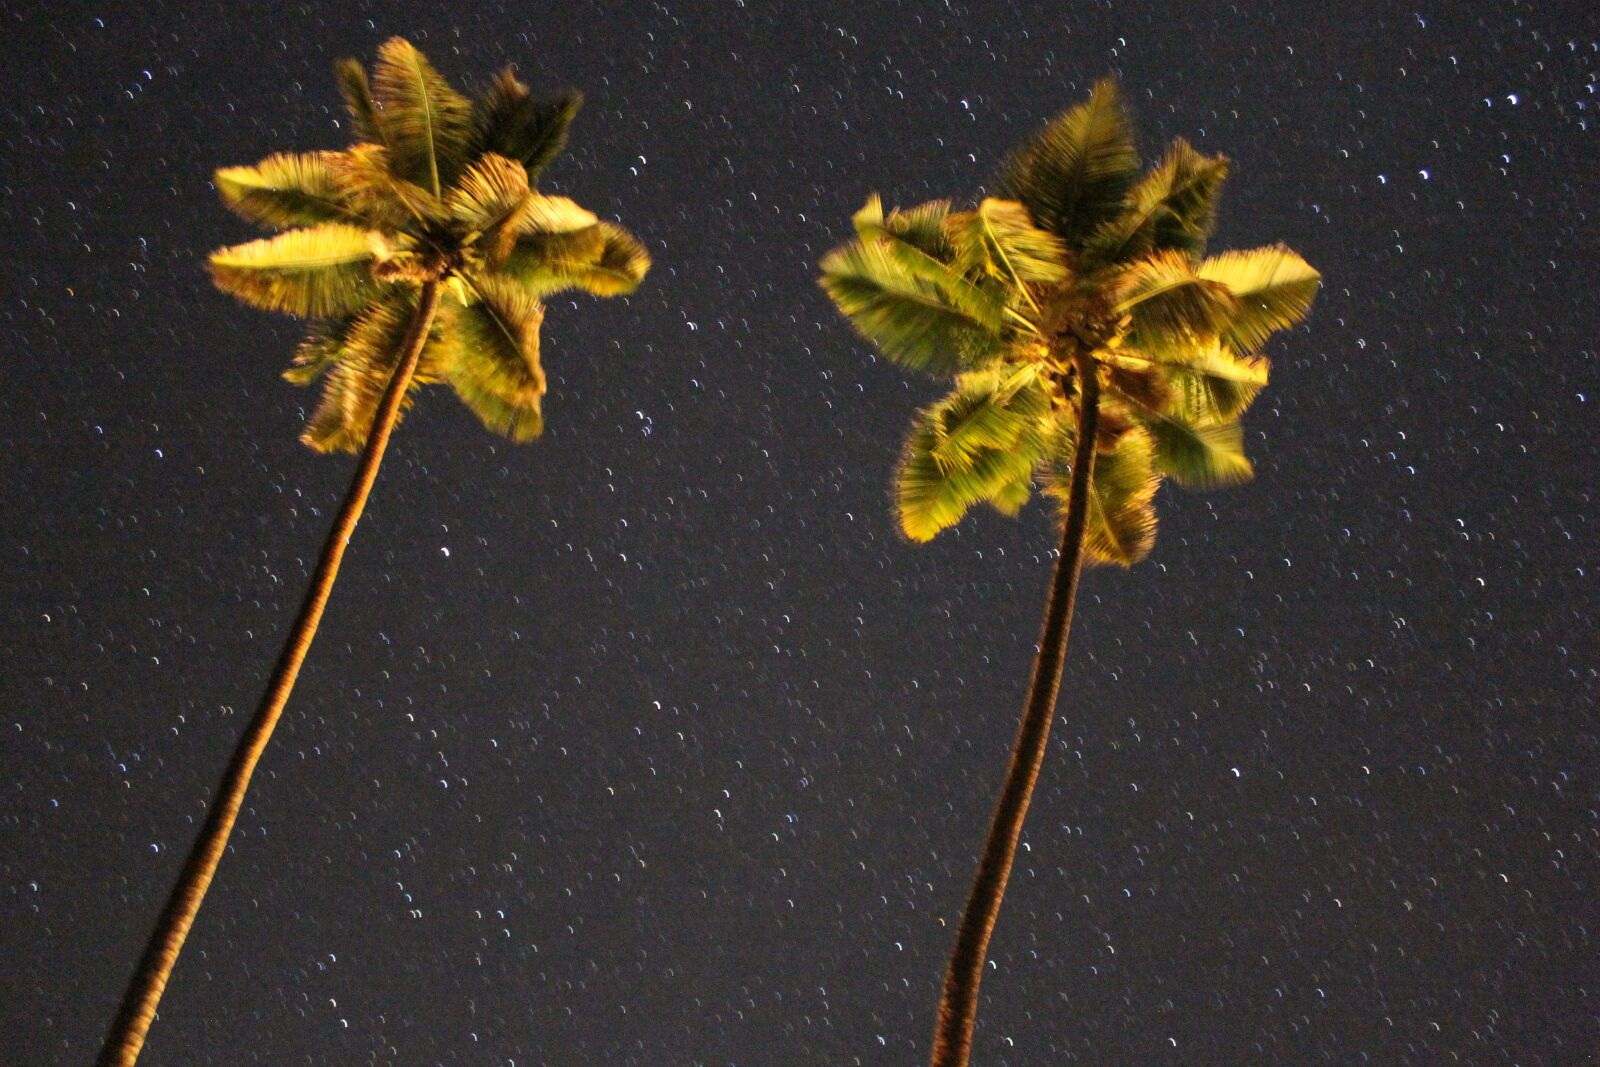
[935,323]
[1121,523]
[998,239]
[1074,174]
[508,120]
[1273,287]
[426,125]
[493,356]
[1173,207]
[1170,306]
[286,189]
[315,272]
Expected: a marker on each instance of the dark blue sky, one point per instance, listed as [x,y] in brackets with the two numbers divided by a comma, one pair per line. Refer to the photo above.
[653,743]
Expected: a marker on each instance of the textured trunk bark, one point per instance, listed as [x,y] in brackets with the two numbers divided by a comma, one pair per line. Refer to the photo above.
[126,1038]
[958,1006]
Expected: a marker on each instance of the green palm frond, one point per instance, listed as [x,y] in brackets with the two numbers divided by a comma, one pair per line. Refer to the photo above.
[427,126]
[1074,174]
[1171,307]
[1197,455]
[1215,384]
[517,414]
[622,264]
[932,498]
[316,272]
[319,350]
[545,136]
[493,362]
[499,114]
[917,241]
[1010,497]
[1173,207]
[357,93]
[1274,288]
[987,410]
[553,214]
[869,218]
[922,227]
[286,189]
[545,263]
[912,320]
[1120,527]
[509,120]
[998,239]
[488,201]
[603,259]
[1137,378]
[358,372]
[378,196]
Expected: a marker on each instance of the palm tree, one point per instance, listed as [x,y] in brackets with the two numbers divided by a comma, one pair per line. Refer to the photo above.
[1094,351]
[421,253]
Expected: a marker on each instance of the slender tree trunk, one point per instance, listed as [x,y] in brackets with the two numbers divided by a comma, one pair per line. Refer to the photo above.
[958,1006]
[139,1003]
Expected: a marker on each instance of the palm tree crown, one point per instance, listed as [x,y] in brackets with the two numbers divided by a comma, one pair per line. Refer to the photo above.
[437,188]
[1094,350]
[1078,263]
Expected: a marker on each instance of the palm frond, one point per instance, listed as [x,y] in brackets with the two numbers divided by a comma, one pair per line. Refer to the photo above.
[912,320]
[517,416]
[869,218]
[602,260]
[286,189]
[553,214]
[488,201]
[1009,498]
[923,227]
[499,114]
[987,410]
[493,364]
[1171,307]
[1172,207]
[1138,378]
[508,119]
[622,265]
[931,498]
[380,197]
[316,272]
[998,239]
[1197,455]
[545,263]
[357,93]
[359,369]
[1074,174]
[1274,289]
[427,126]
[1121,523]
[917,241]
[318,350]
[1214,384]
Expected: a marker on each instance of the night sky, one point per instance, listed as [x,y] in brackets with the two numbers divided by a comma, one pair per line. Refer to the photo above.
[653,742]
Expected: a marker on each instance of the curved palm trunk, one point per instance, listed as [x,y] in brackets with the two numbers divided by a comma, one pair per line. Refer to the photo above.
[958,1006]
[138,1009]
